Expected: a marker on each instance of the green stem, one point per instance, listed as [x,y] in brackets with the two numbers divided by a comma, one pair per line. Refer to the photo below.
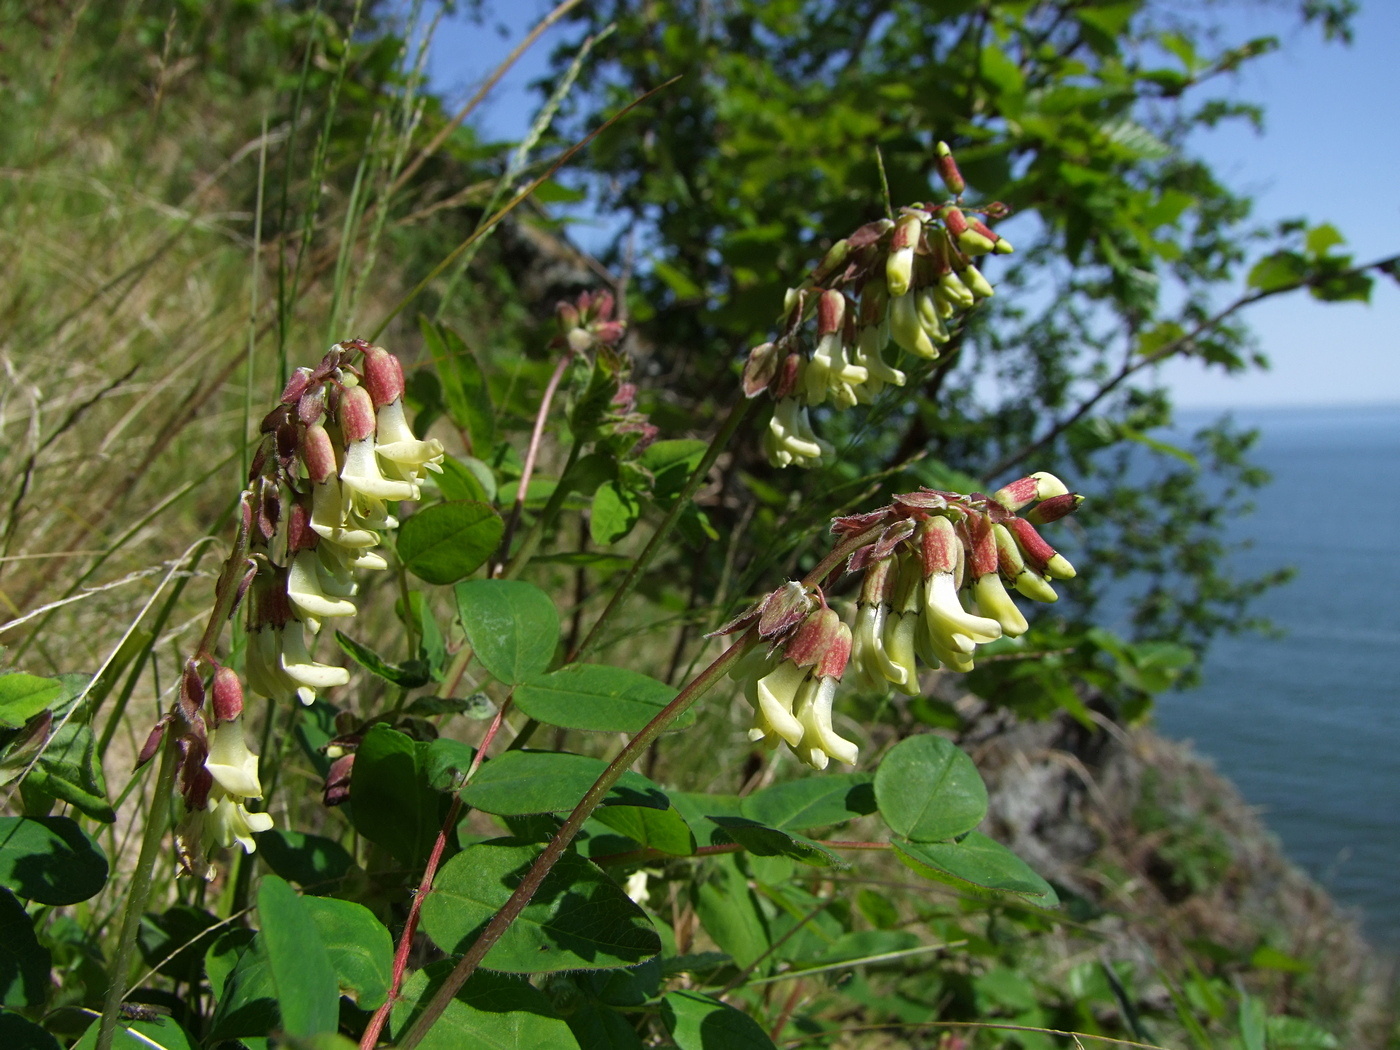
[551,510]
[697,476]
[545,862]
[157,819]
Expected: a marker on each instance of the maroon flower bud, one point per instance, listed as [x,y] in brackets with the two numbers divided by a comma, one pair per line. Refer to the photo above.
[760,369]
[783,610]
[191,690]
[383,376]
[955,221]
[153,742]
[1036,551]
[1054,508]
[948,170]
[603,304]
[831,312]
[311,406]
[982,548]
[227,695]
[296,386]
[786,377]
[939,549]
[318,454]
[567,317]
[1017,494]
[356,414]
[300,535]
[337,788]
[609,333]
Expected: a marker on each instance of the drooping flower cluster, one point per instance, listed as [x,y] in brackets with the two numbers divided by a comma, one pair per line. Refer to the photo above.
[791,677]
[341,451]
[906,281]
[334,455]
[936,568]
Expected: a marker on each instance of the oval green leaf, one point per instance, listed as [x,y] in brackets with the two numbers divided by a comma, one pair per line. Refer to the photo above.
[929,790]
[450,541]
[763,841]
[697,1022]
[659,829]
[596,697]
[814,802]
[512,626]
[521,782]
[50,860]
[579,920]
[977,864]
[24,962]
[393,801]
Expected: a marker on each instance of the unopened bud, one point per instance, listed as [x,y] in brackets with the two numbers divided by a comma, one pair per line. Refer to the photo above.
[760,369]
[603,304]
[978,285]
[311,406]
[227,693]
[337,790]
[899,267]
[1018,493]
[1054,508]
[831,312]
[567,316]
[191,689]
[356,414]
[609,333]
[296,386]
[153,742]
[939,549]
[948,170]
[318,454]
[787,377]
[383,376]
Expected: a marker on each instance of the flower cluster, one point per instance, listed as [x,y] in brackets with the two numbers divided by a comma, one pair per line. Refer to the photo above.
[906,281]
[791,679]
[335,453]
[340,451]
[936,569]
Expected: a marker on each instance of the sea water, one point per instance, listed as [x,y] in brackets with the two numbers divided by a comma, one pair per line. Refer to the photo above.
[1308,724]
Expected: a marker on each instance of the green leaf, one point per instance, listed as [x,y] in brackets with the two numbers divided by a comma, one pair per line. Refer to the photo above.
[18,1034]
[356,944]
[1323,237]
[974,864]
[477,706]
[596,697]
[50,860]
[730,912]
[659,829]
[813,802]
[929,790]
[393,801]
[512,626]
[24,962]
[302,976]
[671,463]
[448,760]
[69,769]
[459,482]
[448,542]
[1276,271]
[698,809]
[463,384]
[313,862]
[697,1022]
[599,1027]
[524,781]
[579,920]
[1252,1015]
[615,510]
[491,1011]
[764,841]
[405,677]
[161,1034]
[22,696]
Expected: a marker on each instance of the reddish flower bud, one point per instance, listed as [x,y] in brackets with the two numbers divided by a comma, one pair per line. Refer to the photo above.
[191,690]
[609,333]
[337,788]
[1017,494]
[227,695]
[760,369]
[831,312]
[819,632]
[982,549]
[296,386]
[954,220]
[383,376]
[566,314]
[1054,508]
[153,741]
[939,549]
[783,610]
[603,304]
[785,379]
[311,406]
[832,261]
[948,170]
[356,414]
[318,454]
[1036,551]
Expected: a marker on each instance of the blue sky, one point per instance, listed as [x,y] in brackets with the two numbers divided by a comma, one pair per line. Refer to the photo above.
[1330,151]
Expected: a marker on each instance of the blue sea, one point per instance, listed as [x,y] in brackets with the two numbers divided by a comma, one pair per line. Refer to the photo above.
[1308,724]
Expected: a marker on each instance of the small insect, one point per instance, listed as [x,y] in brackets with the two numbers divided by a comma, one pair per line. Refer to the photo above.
[138,1012]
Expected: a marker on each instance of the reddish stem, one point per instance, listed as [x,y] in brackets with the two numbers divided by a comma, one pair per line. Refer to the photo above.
[376,1023]
[536,436]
